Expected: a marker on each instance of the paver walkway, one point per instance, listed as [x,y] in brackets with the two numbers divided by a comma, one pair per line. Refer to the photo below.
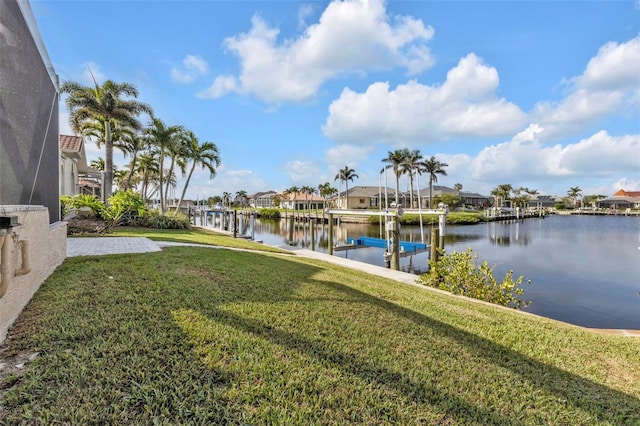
[109,245]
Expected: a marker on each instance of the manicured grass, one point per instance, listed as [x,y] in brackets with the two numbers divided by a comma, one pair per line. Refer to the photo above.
[196,236]
[199,336]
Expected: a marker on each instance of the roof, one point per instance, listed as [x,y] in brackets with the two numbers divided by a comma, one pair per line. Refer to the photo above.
[70,143]
[73,147]
[262,194]
[366,191]
[623,193]
[298,196]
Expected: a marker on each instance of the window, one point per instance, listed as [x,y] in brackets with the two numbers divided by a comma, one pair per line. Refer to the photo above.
[361,200]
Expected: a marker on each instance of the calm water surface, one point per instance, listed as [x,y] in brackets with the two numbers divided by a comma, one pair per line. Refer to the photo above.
[584,270]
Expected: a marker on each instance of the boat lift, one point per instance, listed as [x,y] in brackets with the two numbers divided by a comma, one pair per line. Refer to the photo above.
[394,247]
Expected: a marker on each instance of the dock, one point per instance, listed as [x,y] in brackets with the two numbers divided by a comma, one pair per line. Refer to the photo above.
[406,247]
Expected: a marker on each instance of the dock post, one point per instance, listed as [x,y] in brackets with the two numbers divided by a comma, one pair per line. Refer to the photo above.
[435,237]
[291,242]
[442,221]
[330,234]
[253,226]
[392,227]
[312,231]
[235,223]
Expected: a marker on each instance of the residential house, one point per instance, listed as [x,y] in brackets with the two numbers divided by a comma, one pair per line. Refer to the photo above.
[545,201]
[73,162]
[300,200]
[29,162]
[365,197]
[467,198]
[262,199]
[621,200]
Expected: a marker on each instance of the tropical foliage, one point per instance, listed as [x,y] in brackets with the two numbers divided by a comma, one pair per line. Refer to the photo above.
[458,273]
[99,107]
[109,115]
[346,174]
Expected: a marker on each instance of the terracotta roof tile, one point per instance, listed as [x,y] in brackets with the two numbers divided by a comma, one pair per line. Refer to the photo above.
[71,143]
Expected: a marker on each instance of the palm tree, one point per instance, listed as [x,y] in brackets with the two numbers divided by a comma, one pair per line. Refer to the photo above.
[242,196]
[574,193]
[161,136]
[411,164]
[457,187]
[307,190]
[98,164]
[226,199]
[434,168]
[206,156]
[148,168]
[502,192]
[347,174]
[88,104]
[326,190]
[133,144]
[294,190]
[394,161]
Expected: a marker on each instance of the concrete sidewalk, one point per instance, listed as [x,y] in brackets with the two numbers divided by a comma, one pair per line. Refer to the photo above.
[120,245]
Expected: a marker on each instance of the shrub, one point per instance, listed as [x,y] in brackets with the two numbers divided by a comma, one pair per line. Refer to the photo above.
[69,203]
[125,208]
[154,219]
[457,273]
[269,213]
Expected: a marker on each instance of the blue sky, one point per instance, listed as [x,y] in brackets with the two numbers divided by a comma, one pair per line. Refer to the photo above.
[541,94]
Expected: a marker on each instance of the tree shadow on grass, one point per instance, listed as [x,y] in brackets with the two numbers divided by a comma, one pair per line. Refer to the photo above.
[602,403]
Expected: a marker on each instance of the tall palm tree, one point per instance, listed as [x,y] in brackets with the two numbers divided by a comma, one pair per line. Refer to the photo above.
[148,168]
[411,164]
[205,155]
[434,168]
[132,144]
[395,160]
[347,174]
[226,199]
[502,192]
[307,190]
[88,104]
[457,187]
[242,196]
[161,136]
[574,193]
[294,190]
[326,190]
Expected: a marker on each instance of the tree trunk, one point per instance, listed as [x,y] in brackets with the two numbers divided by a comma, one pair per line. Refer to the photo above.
[184,190]
[161,178]
[108,162]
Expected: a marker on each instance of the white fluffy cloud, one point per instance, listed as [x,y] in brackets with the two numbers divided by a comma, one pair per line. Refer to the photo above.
[351,36]
[230,181]
[340,156]
[466,105]
[526,157]
[302,172]
[609,84]
[193,67]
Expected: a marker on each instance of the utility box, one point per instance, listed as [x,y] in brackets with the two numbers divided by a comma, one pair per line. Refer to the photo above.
[8,221]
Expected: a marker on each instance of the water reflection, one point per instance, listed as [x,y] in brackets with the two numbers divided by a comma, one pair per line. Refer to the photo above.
[504,234]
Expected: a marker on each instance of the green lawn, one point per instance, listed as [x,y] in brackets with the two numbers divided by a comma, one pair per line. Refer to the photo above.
[197,336]
[194,235]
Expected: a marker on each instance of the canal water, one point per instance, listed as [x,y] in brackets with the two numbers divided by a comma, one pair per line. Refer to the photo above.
[584,270]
